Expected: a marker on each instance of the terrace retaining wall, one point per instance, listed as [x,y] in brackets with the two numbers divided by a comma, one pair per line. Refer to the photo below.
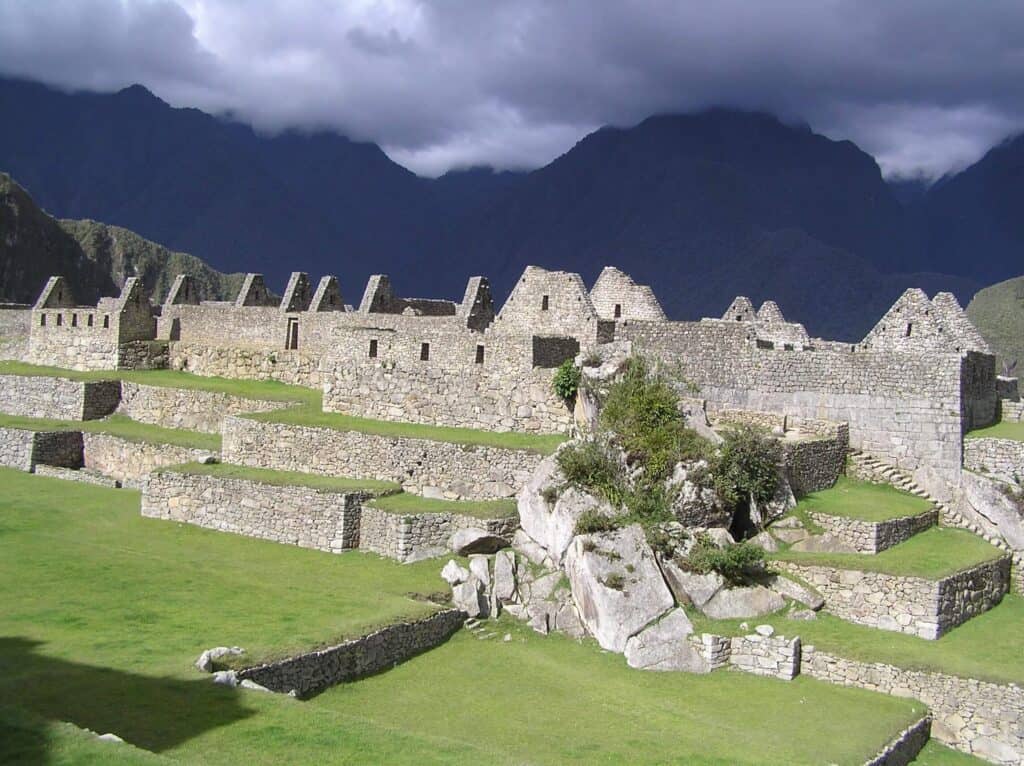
[24,450]
[131,462]
[411,537]
[189,409]
[1002,458]
[39,396]
[907,745]
[311,673]
[924,608]
[421,466]
[295,367]
[875,536]
[310,518]
[977,717]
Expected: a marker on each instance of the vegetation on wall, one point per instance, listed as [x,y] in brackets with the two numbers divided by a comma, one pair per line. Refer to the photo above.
[736,562]
[566,381]
[746,466]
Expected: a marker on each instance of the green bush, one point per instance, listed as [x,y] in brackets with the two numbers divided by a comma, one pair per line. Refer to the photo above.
[593,467]
[642,409]
[591,521]
[747,466]
[566,381]
[736,562]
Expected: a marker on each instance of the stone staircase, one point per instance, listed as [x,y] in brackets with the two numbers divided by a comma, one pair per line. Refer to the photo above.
[870,468]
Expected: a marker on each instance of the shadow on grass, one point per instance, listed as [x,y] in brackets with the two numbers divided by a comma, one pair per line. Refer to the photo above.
[151,713]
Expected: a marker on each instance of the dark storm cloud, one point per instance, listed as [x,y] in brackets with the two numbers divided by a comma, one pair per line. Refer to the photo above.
[925,85]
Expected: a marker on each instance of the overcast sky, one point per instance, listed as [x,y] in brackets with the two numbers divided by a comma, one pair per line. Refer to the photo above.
[924,85]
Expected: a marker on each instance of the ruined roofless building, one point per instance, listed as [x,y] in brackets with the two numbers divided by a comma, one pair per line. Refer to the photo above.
[909,390]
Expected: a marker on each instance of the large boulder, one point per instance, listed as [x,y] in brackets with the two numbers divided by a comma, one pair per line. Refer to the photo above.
[504,586]
[453,573]
[475,540]
[554,526]
[209,657]
[616,584]
[690,587]
[470,598]
[745,601]
[803,594]
[663,646]
[694,502]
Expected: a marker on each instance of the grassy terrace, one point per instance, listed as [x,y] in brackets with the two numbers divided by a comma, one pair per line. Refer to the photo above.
[481,509]
[102,613]
[932,554]
[269,390]
[989,647]
[308,410]
[863,501]
[543,444]
[1001,430]
[285,478]
[121,426]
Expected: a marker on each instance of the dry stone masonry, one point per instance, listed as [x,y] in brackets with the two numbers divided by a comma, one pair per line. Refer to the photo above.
[185,408]
[58,398]
[874,536]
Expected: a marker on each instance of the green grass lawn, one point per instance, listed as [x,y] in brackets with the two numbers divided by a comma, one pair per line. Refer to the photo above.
[102,613]
[270,390]
[285,478]
[863,501]
[311,417]
[989,647]
[481,509]
[935,754]
[119,425]
[932,554]
[1001,430]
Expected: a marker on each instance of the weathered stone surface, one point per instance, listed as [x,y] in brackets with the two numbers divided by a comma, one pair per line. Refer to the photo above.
[453,574]
[744,601]
[468,597]
[531,549]
[663,646]
[480,567]
[695,503]
[476,540]
[553,527]
[790,588]
[614,601]
[208,657]
[765,541]
[690,587]
[504,586]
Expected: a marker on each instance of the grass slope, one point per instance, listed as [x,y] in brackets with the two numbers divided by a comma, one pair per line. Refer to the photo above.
[285,478]
[998,313]
[118,425]
[863,501]
[102,613]
[481,509]
[932,554]
[989,647]
[1001,430]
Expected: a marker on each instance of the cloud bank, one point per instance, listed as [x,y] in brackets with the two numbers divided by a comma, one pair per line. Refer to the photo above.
[924,85]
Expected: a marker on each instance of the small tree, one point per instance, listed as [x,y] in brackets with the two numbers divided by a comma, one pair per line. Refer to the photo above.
[566,381]
[747,466]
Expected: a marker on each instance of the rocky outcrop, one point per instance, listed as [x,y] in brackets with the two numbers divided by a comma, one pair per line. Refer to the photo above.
[663,645]
[694,502]
[616,585]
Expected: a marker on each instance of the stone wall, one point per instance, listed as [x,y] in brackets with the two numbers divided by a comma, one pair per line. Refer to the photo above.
[907,745]
[412,537]
[295,367]
[973,716]
[905,407]
[303,516]
[130,462]
[311,673]
[814,463]
[59,398]
[15,319]
[24,450]
[616,296]
[83,475]
[875,536]
[1002,458]
[774,656]
[924,608]
[422,466]
[468,382]
[190,409]
[1011,412]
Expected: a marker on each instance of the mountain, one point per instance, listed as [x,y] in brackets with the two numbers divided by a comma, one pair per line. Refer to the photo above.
[97,258]
[998,313]
[971,223]
[701,206]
